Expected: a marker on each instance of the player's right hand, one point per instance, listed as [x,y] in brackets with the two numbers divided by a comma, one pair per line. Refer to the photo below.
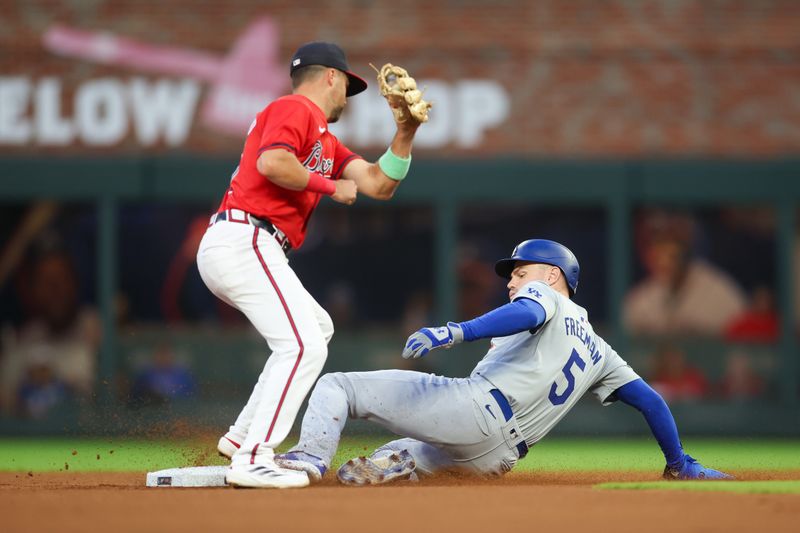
[426,339]
[346,192]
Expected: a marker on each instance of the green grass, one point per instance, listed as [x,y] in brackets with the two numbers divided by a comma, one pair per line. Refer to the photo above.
[644,454]
[81,455]
[744,487]
[41,455]
[124,455]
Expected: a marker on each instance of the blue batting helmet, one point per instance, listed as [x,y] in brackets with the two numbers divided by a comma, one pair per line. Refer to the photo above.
[543,251]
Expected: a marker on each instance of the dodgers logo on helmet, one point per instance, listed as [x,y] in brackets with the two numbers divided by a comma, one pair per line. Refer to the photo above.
[543,251]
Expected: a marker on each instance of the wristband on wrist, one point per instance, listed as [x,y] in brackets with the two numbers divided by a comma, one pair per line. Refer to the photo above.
[393,166]
[456,331]
[316,183]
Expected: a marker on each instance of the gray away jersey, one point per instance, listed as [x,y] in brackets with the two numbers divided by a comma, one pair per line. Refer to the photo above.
[544,374]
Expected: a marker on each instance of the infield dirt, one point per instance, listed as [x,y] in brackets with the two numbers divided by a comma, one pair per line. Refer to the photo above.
[104,502]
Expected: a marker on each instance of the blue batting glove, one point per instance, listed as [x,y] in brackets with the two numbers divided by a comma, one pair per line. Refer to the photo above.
[426,339]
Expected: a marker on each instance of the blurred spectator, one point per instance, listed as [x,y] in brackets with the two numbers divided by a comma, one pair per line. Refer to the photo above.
[796,275]
[418,312]
[163,380]
[477,283]
[31,223]
[759,322]
[681,294]
[674,378]
[40,392]
[184,297]
[754,229]
[340,302]
[739,380]
[180,266]
[57,331]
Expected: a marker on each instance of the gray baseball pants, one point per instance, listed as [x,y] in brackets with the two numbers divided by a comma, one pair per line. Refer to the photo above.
[449,423]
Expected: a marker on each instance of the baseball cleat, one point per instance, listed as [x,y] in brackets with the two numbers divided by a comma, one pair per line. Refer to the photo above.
[303,462]
[377,470]
[227,446]
[265,476]
[691,469]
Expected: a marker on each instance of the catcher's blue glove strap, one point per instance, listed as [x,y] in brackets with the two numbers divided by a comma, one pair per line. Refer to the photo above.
[520,315]
[640,395]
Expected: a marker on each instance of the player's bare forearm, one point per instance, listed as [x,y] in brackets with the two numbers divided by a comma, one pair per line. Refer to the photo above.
[384,186]
[371,180]
[283,169]
[404,137]
[369,177]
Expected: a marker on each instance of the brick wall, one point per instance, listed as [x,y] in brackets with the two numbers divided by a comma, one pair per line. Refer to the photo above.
[584,78]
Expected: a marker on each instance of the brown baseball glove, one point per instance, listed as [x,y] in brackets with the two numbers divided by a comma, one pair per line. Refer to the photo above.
[400,90]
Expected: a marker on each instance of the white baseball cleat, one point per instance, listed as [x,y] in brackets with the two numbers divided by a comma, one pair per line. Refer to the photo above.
[265,476]
[227,446]
[378,470]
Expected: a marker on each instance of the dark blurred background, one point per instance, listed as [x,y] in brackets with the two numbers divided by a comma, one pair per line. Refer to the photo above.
[658,139]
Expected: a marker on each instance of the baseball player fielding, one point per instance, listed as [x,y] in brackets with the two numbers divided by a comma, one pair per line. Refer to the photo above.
[289,162]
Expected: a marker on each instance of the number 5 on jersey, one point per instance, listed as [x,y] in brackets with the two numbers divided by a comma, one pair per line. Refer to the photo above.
[574,359]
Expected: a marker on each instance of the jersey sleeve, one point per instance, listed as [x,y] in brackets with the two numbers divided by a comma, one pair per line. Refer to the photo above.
[286,124]
[342,157]
[540,293]
[617,373]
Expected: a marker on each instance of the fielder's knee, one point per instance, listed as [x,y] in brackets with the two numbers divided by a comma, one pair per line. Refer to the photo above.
[314,356]
[326,325]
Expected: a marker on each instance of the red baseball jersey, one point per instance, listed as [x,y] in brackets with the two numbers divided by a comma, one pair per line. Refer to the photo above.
[296,124]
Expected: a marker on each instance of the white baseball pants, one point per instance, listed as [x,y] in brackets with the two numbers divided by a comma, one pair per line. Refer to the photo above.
[244,266]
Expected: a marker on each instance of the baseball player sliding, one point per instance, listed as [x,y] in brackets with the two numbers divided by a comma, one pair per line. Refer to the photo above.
[290,160]
[544,356]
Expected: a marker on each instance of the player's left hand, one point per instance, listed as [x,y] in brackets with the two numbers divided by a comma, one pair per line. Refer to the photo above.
[405,99]
[346,192]
[426,339]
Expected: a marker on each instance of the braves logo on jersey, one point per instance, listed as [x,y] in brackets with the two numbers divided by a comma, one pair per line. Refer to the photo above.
[316,163]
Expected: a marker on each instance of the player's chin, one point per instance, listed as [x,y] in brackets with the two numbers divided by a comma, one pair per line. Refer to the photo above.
[335,114]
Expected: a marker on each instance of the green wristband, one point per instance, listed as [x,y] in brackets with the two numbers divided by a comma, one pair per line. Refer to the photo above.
[393,166]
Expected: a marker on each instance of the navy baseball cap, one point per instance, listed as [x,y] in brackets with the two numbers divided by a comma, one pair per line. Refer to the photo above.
[329,55]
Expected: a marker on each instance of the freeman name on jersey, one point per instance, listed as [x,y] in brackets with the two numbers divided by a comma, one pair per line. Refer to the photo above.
[576,329]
